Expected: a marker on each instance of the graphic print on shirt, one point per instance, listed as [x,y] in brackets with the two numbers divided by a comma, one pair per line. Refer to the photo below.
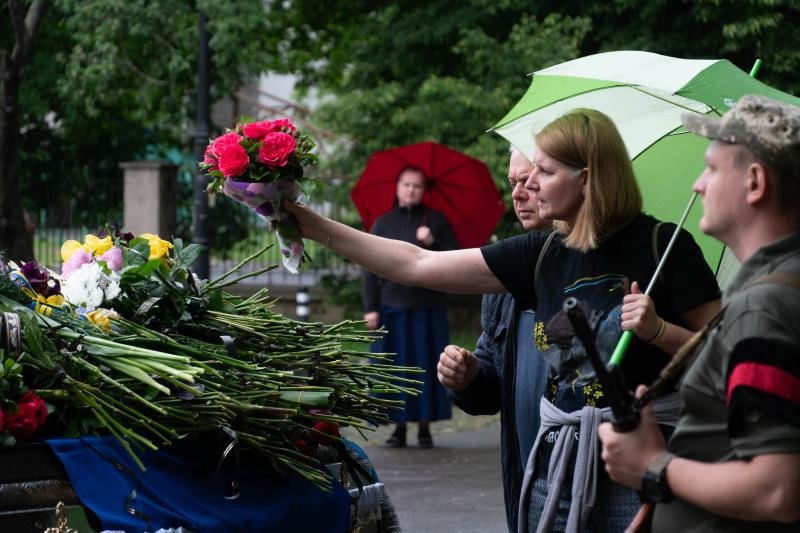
[556,339]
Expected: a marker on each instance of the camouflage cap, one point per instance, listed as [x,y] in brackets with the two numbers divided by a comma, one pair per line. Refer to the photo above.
[769,128]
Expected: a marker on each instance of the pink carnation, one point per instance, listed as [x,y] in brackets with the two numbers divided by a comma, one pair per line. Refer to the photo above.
[79,258]
[113,258]
[277,148]
[258,130]
[233,160]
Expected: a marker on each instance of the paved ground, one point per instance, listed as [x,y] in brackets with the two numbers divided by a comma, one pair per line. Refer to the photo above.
[455,487]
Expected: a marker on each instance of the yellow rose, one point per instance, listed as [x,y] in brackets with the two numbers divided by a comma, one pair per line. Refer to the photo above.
[68,248]
[158,247]
[96,246]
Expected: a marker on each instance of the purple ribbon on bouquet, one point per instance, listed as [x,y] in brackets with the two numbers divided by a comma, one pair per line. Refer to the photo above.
[265,199]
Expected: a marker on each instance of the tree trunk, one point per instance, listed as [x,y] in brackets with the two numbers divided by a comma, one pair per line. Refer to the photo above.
[15,239]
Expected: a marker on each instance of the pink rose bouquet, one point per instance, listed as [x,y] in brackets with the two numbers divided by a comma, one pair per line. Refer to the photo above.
[258,164]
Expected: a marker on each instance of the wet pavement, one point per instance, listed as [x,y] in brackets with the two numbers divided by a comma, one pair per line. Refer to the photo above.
[453,487]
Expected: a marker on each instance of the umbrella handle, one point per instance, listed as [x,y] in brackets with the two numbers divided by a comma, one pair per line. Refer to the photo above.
[622,347]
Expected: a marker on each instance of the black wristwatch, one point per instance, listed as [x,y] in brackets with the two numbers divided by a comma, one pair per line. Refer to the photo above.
[654,481]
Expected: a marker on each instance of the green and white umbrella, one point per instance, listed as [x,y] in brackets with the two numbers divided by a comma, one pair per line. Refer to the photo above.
[644,94]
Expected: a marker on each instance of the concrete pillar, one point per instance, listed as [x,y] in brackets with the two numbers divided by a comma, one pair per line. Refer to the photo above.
[150,197]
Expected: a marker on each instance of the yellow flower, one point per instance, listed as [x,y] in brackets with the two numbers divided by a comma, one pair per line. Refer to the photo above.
[102,317]
[68,248]
[97,246]
[158,247]
[56,300]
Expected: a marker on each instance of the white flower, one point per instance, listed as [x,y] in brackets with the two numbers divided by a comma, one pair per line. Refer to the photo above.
[88,286]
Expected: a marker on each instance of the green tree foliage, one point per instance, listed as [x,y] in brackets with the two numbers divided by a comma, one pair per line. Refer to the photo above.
[111,81]
[730,29]
[409,72]
[106,81]
[402,72]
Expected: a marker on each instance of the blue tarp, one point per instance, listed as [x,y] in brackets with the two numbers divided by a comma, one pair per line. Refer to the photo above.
[177,490]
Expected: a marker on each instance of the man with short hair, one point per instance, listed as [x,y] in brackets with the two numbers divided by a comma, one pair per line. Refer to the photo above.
[505,373]
[733,462]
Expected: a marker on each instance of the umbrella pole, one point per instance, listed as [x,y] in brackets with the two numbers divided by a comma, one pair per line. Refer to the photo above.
[625,339]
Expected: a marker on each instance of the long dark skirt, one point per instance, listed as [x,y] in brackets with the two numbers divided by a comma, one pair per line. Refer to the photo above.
[417,336]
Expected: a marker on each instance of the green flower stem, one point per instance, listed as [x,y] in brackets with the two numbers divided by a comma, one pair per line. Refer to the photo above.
[154,366]
[164,433]
[102,375]
[116,429]
[116,348]
[134,372]
[235,269]
[234,281]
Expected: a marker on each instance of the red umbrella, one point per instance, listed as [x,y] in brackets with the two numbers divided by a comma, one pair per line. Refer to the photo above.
[461,187]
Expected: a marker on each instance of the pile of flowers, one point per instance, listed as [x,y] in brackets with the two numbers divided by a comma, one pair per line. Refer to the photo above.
[128,341]
[259,164]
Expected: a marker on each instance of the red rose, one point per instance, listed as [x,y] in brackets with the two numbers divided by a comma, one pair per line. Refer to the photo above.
[277,148]
[1,421]
[37,404]
[324,432]
[232,160]
[305,448]
[258,130]
[31,413]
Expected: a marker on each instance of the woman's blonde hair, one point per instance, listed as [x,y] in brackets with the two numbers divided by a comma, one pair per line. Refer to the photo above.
[587,138]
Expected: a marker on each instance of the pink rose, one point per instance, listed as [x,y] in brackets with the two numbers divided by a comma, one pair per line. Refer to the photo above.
[75,262]
[283,124]
[209,160]
[277,148]
[222,141]
[258,130]
[233,160]
[113,258]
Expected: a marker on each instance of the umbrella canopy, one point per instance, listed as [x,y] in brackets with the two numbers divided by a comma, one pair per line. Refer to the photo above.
[460,186]
[644,94]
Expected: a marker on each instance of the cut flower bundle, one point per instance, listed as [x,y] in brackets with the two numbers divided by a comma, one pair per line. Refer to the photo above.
[128,341]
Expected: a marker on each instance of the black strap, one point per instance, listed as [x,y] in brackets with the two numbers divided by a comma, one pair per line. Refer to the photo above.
[656,251]
[539,261]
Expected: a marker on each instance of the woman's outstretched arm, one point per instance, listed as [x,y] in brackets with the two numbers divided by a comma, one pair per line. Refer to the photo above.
[455,271]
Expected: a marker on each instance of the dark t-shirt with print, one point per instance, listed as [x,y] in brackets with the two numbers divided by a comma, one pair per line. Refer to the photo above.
[601,278]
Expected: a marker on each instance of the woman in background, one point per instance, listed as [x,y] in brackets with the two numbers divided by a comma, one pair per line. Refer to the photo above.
[415,318]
